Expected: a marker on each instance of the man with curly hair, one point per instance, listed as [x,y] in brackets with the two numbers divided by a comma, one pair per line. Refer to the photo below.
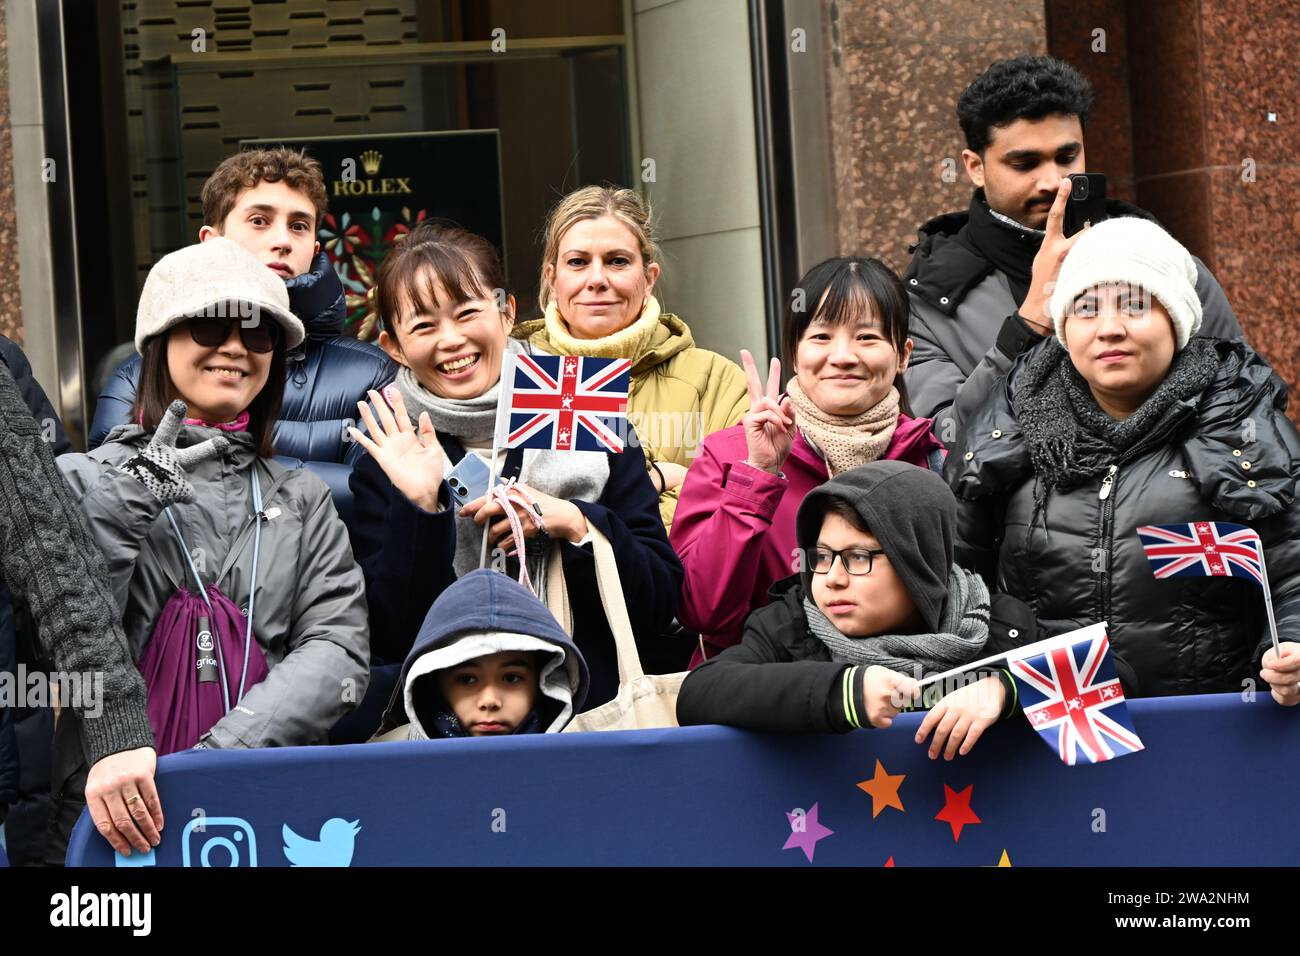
[979,280]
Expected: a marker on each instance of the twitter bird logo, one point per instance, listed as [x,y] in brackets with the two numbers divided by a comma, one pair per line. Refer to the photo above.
[334,848]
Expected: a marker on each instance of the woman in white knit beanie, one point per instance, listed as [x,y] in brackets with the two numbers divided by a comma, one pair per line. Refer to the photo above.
[1125,302]
[1131,419]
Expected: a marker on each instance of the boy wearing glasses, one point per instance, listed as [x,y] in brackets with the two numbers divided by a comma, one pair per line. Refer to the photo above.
[877,604]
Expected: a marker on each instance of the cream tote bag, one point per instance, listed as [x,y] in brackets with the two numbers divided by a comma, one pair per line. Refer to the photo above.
[644,701]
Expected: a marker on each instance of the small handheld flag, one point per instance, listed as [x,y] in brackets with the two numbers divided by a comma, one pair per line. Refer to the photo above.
[1209,549]
[567,403]
[1203,549]
[1071,696]
[560,403]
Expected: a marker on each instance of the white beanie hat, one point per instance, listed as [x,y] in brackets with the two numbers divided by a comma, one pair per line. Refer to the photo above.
[214,279]
[1136,252]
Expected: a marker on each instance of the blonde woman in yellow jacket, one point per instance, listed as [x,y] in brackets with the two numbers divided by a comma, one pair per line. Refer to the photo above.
[599,269]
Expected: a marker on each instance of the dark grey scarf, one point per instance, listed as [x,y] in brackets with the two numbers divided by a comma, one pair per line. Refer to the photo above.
[1071,440]
[963,631]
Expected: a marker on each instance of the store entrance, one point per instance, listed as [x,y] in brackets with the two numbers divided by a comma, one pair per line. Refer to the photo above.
[419,94]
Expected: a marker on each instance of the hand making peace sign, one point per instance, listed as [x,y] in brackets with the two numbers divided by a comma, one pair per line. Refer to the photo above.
[769,426]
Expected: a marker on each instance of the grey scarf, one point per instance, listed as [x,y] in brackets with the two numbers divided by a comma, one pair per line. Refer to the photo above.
[963,631]
[472,420]
[567,475]
[1071,440]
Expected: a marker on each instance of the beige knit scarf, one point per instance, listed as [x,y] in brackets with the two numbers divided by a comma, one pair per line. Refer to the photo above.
[846,441]
[625,343]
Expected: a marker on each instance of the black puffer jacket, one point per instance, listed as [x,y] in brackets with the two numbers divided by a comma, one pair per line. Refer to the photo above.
[1230,456]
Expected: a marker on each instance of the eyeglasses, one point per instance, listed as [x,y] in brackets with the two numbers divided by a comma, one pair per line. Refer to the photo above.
[856,561]
[261,336]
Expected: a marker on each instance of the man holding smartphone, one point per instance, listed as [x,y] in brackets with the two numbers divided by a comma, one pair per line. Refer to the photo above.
[979,280]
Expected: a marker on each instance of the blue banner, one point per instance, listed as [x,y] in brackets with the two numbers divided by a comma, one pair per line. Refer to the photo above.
[1215,770]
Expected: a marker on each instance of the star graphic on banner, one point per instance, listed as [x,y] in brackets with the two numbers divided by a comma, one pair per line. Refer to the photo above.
[1004,860]
[567,401]
[956,810]
[889,862]
[564,435]
[805,831]
[883,788]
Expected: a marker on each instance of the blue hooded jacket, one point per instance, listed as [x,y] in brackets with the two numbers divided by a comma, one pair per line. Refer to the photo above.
[486,612]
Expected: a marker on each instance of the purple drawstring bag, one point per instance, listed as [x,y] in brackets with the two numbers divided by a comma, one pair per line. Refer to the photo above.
[202,656]
[191,650]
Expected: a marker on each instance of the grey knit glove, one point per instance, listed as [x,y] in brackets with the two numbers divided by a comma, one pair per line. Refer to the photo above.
[161,466]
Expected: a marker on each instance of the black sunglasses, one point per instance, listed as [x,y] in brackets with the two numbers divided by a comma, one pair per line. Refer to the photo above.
[211,333]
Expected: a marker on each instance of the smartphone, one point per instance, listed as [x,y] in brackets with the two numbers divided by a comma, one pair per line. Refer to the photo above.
[1087,203]
[468,480]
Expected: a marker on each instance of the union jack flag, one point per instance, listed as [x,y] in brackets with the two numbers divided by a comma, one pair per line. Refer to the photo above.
[568,403]
[1203,549]
[1069,692]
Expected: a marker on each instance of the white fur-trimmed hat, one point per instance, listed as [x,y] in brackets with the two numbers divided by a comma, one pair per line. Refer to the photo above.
[218,278]
[1137,252]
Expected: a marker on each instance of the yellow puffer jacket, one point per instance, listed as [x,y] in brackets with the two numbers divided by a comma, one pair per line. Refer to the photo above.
[680,394]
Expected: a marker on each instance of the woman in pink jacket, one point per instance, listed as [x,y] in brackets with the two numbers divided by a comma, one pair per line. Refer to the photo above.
[845,334]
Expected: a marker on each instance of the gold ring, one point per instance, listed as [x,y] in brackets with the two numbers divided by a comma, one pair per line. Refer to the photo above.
[134,799]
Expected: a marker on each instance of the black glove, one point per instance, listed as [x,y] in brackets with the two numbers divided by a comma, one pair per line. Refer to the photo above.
[316,297]
[161,466]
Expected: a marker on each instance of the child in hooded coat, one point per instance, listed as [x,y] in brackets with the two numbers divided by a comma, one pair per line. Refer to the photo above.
[489,660]
[844,652]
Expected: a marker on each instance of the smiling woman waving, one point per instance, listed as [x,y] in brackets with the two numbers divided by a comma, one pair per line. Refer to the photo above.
[447,320]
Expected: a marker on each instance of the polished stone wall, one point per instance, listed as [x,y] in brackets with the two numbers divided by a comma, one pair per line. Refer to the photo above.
[11,323]
[895,71]
[1195,121]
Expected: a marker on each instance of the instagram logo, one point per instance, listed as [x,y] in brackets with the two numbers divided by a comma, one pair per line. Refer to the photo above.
[234,842]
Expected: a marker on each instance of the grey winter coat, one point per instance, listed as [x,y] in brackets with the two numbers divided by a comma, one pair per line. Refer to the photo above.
[310,612]
[964,323]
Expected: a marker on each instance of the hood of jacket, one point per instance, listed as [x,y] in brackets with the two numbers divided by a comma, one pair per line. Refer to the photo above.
[1245,405]
[912,513]
[486,612]
[946,264]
